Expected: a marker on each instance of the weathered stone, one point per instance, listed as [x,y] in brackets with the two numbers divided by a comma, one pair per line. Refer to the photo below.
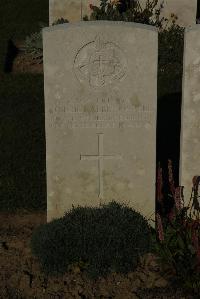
[100,110]
[190,137]
[185,11]
[73,10]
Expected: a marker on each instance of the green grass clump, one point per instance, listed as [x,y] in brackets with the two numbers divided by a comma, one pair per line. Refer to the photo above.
[34,46]
[108,239]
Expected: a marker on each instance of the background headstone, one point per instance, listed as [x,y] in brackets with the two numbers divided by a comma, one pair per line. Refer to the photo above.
[184,9]
[71,10]
[100,110]
[190,129]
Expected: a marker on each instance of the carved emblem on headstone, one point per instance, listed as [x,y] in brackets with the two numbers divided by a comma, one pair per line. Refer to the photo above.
[99,63]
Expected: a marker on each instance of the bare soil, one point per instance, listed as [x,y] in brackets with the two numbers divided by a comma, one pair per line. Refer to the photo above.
[21,276]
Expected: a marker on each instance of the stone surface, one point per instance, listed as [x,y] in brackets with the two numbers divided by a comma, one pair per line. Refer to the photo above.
[184,9]
[100,111]
[190,137]
[71,9]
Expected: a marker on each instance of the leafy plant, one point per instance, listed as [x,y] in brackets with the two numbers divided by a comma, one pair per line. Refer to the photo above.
[178,233]
[85,18]
[128,11]
[106,239]
[33,46]
[60,21]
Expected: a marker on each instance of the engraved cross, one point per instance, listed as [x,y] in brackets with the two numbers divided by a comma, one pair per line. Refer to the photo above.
[100,157]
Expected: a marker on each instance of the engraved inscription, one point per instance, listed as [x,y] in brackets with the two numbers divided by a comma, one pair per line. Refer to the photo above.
[100,114]
[100,157]
[99,63]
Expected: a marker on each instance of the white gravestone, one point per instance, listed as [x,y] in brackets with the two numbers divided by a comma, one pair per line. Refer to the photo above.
[74,10]
[185,10]
[100,109]
[190,128]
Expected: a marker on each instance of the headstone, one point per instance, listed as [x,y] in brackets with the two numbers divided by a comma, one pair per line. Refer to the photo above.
[185,10]
[74,9]
[190,128]
[100,109]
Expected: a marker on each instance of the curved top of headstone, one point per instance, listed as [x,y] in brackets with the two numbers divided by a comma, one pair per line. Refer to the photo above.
[101,23]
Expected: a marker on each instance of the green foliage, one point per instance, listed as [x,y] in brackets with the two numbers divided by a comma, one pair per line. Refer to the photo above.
[178,236]
[60,21]
[110,238]
[33,46]
[34,43]
[85,18]
[177,252]
[127,11]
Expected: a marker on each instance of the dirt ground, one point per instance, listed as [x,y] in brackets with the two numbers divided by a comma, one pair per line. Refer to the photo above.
[21,275]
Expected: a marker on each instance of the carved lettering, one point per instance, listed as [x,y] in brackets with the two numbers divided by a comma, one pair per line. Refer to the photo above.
[101,114]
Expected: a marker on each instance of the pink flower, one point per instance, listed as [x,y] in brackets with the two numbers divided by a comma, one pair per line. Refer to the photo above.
[196,224]
[160,227]
[171,215]
[196,244]
[159,184]
[178,192]
[193,226]
[171,178]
